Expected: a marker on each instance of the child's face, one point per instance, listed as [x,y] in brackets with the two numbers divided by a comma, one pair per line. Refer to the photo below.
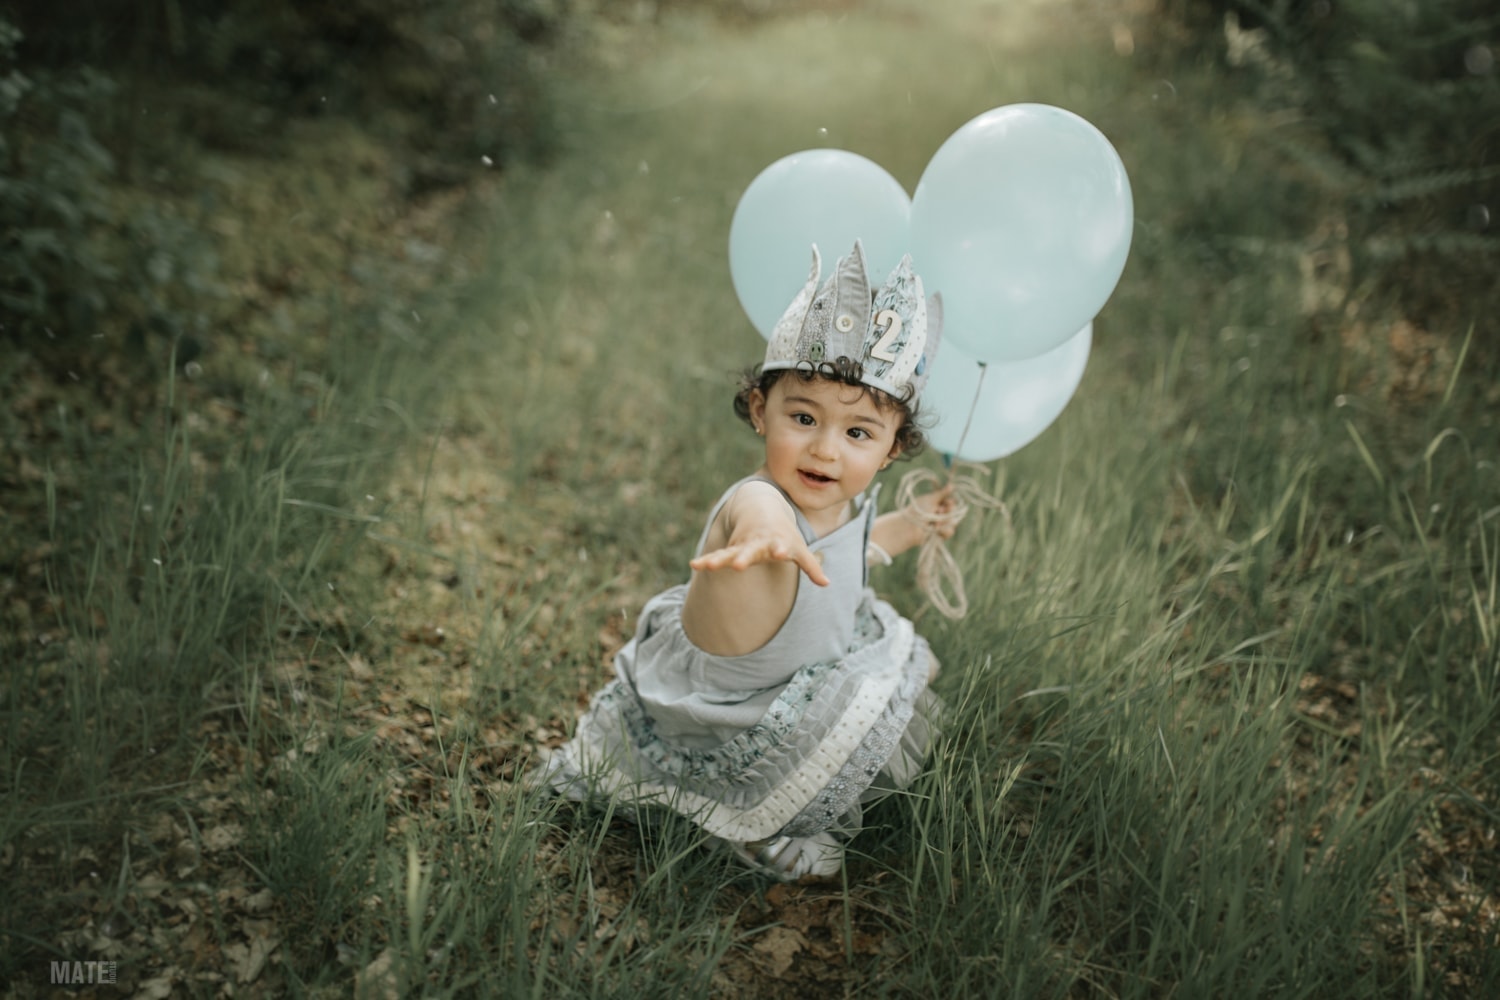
[824,443]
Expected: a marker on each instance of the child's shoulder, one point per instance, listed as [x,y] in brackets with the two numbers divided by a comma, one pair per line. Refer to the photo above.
[757,489]
[752,491]
[751,496]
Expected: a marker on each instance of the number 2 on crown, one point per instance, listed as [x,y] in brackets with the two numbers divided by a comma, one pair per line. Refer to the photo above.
[884,348]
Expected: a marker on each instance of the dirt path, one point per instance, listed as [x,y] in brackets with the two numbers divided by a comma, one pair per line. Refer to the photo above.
[613,273]
[588,427]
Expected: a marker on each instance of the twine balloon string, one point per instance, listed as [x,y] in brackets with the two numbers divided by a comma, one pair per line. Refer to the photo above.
[938,574]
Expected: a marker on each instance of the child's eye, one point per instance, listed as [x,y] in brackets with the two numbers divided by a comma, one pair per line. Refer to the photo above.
[805,419]
[858,433]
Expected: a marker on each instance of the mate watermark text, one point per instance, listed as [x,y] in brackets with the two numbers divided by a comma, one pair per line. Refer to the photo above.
[82,973]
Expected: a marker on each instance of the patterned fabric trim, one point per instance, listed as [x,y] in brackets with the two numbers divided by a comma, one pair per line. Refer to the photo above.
[844,790]
[729,762]
[734,762]
[781,788]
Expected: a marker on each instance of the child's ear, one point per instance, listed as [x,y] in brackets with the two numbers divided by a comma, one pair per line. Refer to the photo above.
[758,411]
[894,454]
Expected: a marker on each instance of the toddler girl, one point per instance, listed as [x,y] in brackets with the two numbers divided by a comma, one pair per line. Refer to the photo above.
[774,695]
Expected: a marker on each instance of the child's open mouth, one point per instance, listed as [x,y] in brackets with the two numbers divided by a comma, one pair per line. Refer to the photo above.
[814,478]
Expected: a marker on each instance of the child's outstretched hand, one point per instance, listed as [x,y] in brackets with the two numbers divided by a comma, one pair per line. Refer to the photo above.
[756,534]
[761,529]
[762,547]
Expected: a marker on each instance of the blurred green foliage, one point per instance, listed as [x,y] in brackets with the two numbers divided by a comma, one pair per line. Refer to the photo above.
[103,104]
[51,173]
[436,56]
[1392,114]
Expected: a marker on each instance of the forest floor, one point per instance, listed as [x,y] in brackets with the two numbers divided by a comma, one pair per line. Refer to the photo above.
[551,481]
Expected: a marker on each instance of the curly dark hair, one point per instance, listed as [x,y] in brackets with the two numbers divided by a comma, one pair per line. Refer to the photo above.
[845,371]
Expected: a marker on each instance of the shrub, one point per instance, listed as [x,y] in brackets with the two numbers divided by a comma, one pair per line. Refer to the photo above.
[1395,112]
[54,276]
[456,76]
[77,258]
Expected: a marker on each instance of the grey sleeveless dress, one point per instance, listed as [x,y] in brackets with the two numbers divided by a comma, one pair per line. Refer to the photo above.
[789,740]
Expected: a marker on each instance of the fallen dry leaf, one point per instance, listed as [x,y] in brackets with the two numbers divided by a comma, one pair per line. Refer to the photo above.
[777,947]
[158,987]
[258,902]
[249,957]
[221,838]
[377,981]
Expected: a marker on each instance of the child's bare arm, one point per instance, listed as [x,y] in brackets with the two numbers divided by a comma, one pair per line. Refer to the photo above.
[759,527]
[746,579]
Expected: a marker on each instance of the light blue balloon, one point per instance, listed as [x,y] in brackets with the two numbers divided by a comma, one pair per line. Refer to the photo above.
[1011,402]
[1022,220]
[830,197]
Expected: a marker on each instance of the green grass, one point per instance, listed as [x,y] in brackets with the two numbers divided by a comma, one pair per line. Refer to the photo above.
[1223,712]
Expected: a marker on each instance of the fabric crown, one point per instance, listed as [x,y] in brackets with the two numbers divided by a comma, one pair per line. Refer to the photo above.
[892,333]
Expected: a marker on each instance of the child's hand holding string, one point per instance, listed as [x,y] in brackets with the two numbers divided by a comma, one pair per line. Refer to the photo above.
[935,515]
[898,530]
[938,509]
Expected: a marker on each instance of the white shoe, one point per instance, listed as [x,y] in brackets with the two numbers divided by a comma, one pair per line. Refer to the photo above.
[555,772]
[792,858]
